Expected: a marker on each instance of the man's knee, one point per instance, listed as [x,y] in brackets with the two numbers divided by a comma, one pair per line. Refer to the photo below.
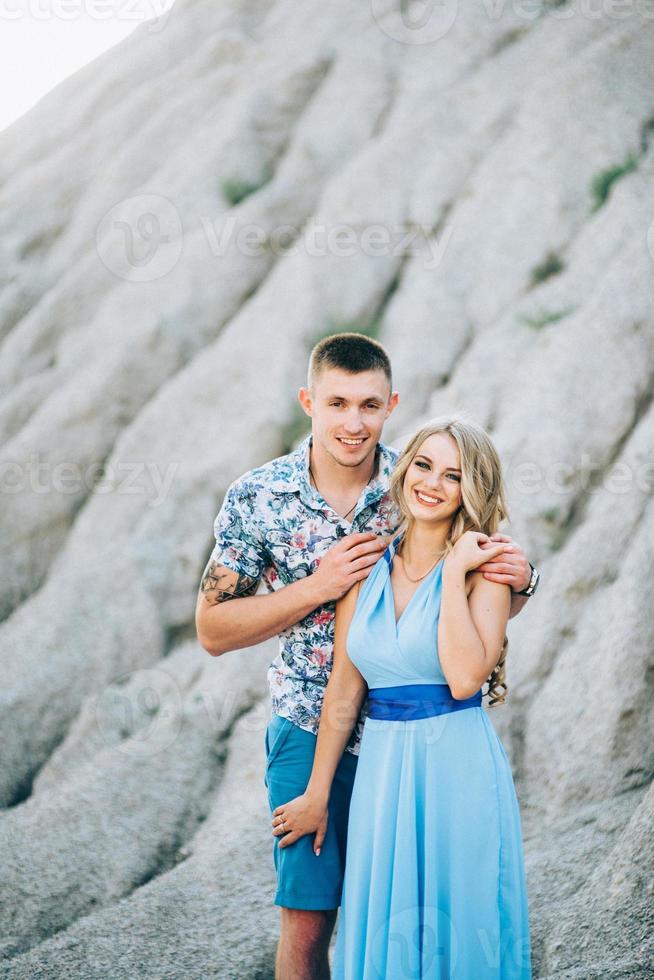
[307,928]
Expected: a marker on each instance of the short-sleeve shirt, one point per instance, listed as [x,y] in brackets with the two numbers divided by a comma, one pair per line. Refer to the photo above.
[274,526]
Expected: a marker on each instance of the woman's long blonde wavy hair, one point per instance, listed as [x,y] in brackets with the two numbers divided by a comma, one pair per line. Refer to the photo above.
[483,506]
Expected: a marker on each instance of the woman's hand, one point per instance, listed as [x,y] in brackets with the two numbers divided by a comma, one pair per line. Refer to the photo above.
[303,815]
[472,550]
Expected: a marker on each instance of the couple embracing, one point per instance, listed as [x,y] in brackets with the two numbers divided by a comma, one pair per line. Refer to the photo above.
[390,792]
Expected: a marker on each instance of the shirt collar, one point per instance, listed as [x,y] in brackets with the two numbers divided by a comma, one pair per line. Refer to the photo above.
[295,476]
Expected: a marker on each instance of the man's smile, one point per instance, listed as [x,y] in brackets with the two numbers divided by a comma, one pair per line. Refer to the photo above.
[352,442]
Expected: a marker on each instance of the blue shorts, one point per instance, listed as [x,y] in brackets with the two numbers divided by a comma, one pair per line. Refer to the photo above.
[305,881]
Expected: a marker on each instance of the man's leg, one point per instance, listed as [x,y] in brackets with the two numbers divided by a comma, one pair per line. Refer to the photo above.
[308,886]
[304,944]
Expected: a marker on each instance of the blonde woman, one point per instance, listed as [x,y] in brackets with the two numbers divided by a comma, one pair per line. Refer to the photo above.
[434,881]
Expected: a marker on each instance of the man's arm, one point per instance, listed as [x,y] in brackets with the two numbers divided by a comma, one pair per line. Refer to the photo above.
[518,602]
[509,568]
[224,625]
[229,617]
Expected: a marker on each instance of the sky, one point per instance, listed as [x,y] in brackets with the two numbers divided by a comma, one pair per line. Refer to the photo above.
[44,41]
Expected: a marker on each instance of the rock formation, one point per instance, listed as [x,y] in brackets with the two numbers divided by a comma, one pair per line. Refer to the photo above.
[181,220]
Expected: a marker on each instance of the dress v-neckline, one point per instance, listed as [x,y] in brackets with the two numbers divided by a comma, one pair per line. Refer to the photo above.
[389,583]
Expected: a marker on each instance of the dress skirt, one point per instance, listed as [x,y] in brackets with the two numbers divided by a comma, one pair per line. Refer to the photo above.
[434,882]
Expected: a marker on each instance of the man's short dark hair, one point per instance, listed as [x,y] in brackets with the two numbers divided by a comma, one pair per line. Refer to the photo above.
[353,352]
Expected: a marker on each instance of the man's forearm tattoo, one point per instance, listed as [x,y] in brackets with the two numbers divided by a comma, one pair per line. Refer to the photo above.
[220,584]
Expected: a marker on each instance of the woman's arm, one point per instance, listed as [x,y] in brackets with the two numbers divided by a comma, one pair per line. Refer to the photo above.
[472,626]
[344,696]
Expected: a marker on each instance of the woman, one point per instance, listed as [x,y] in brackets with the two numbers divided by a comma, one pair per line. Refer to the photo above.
[434,881]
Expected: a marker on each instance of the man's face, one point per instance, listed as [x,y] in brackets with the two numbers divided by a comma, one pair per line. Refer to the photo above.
[348,412]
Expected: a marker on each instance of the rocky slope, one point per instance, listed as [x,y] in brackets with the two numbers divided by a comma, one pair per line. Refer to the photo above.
[151,352]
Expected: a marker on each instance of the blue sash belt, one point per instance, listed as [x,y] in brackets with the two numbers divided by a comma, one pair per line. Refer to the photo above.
[411,701]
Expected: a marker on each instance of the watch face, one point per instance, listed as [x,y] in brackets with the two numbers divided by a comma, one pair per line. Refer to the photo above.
[533,584]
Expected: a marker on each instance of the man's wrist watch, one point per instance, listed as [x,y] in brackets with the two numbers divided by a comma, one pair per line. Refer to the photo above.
[533,582]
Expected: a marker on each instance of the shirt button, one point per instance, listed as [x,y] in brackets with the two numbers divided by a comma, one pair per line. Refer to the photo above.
[340,532]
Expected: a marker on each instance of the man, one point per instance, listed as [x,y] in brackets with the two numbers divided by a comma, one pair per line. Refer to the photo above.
[309,525]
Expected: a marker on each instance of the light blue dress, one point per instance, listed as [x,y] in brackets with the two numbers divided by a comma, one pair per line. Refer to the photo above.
[434,881]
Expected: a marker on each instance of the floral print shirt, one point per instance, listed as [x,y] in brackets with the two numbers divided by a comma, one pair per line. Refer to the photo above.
[274,526]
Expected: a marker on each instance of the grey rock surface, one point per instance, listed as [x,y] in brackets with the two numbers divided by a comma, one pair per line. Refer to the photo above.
[505,158]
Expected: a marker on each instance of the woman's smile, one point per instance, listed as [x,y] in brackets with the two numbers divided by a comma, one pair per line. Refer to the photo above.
[428,500]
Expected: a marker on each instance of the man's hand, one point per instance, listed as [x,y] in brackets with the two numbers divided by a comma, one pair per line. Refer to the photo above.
[510,568]
[303,815]
[346,563]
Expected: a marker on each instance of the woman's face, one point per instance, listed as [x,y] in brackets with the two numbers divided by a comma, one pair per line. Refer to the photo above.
[432,483]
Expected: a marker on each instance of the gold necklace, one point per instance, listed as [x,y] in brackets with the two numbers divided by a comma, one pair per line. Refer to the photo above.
[420,578]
